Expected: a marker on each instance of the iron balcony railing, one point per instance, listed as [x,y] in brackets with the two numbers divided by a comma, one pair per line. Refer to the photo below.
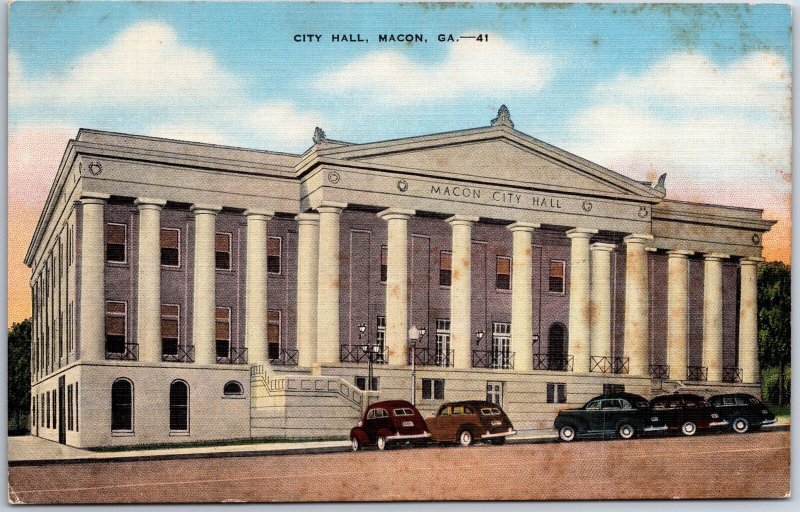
[127,352]
[659,371]
[424,356]
[355,354]
[606,364]
[286,357]
[731,375]
[235,355]
[178,354]
[698,373]
[496,359]
[554,363]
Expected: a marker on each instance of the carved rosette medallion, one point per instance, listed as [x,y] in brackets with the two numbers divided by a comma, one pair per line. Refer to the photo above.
[642,212]
[587,206]
[402,185]
[334,177]
[755,238]
[95,168]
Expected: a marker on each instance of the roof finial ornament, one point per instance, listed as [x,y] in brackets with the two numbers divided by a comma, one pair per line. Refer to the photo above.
[659,185]
[503,118]
[319,135]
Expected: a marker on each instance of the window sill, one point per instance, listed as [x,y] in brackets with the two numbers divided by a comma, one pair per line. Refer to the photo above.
[122,433]
[120,264]
[179,433]
[233,397]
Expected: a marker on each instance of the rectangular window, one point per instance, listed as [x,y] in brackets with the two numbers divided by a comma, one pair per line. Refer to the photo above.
[557,274]
[274,244]
[55,408]
[361,383]
[380,336]
[445,268]
[170,247]
[116,242]
[556,393]
[503,278]
[223,331]
[69,407]
[433,389]
[610,389]
[116,326]
[77,408]
[494,392]
[443,341]
[384,263]
[501,345]
[222,251]
[170,329]
[274,333]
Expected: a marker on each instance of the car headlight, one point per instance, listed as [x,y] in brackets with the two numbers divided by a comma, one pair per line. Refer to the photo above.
[654,418]
[715,415]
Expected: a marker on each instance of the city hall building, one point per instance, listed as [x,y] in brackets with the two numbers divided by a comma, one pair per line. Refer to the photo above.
[193,292]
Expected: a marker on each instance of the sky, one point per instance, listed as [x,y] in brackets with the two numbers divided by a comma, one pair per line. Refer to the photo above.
[701,92]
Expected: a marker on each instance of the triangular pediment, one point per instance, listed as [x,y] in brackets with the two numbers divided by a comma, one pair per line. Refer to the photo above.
[496,154]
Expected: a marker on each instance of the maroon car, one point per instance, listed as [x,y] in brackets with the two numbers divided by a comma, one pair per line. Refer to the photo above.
[389,423]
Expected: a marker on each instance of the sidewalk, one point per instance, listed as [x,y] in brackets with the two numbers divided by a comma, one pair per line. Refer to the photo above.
[33,451]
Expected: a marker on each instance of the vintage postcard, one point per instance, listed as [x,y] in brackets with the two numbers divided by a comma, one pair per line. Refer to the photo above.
[398,251]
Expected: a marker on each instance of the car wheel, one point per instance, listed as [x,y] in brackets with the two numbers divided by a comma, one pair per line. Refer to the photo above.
[566,433]
[498,441]
[689,428]
[465,438]
[355,444]
[741,425]
[626,431]
[382,442]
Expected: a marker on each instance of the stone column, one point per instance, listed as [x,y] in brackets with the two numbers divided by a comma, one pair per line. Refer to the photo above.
[712,315]
[600,339]
[307,268]
[461,290]
[205,275]
[637,331]
[328,290]
[92,260]
[255,305]
[397,283]
[579,293]
[748,320]
[148,297]
[677,312]
[522,294]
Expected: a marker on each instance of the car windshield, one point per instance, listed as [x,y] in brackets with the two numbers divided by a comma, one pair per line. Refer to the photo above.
[754,400]
[403,412]
[490,411]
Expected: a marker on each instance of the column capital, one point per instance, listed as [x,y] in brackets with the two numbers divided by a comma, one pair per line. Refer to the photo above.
[307,218]
[258,214]
[602,246]
[523,226]
[205,208]
[679,253]
[581,233]
[94,198]
[462,220]
[331,207]
[396,213]
[715,256]
[150,203]
[637,238]
[754,260]
[651,249]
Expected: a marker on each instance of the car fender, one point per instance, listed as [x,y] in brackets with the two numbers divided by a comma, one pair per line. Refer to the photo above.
[360,435]
[471,427]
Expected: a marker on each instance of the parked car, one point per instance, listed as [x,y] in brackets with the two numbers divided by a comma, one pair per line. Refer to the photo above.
[684,412]
[743,412]
[616,414]
[467,421]
[387,423]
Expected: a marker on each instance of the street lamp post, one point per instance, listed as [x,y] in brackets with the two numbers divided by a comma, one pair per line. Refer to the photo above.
[371,350]
[414,335]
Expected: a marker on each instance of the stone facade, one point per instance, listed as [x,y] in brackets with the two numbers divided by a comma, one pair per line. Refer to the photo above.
[166,275]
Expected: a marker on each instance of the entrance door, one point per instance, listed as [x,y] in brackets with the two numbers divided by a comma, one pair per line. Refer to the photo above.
[62,430]
[556,348]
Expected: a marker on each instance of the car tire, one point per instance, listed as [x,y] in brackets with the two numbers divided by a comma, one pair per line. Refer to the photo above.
[689,428]
[355,444]
[498,441]
[566,433]
[626,431]
[740,425]
[465,437]
[382,443]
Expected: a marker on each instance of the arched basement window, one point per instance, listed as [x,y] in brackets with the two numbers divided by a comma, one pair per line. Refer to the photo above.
[122,406]
[232,388]
[179,406]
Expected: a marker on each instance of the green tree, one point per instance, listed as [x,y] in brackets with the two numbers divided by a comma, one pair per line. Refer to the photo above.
[774,322]
[19,376]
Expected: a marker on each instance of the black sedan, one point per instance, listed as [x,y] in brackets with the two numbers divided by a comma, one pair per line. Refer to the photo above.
[743,412]
[618,414]
[684,412]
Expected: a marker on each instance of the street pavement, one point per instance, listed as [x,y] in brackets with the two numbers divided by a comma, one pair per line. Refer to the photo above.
[753,465]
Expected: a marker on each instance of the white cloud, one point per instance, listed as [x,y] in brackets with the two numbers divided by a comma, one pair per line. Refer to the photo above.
[496,67]
[172,89]
[713,129]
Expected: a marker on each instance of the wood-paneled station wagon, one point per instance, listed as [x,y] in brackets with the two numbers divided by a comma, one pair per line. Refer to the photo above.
[468,421]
